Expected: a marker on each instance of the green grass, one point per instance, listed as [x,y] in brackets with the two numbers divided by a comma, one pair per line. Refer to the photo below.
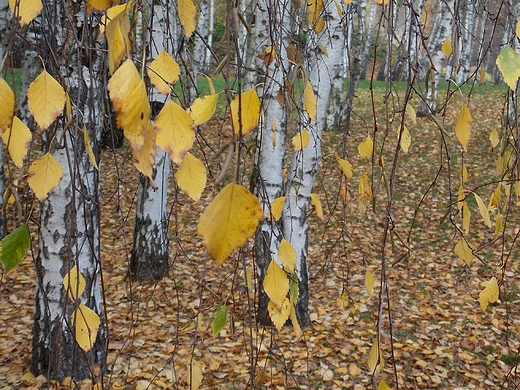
[13,77]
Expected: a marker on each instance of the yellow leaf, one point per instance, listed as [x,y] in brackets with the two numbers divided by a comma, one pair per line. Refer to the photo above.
[446,47]
[74,283]
[315,200]
[110,14]
[145,155]
[17,139]
[98,5]
[203,109]
[463,173]
[191,176]
[6,105]
[369,283]
[462,129]
[287,255]
[466,217]
[195,375]
[87,324]
[300,140]
[117,32]
[489,294]
[130,101]
[406,139]
[483,210]
[90,152]
[229,220]
[375,358]
[323,48]
[296,326]
[381,2]
[364,192]
[277,207]
[27,10]
[187,14]
[44,175]
[309,101]
[508,62]
[347,1]
[163,71]
[175,131]
[248,105]
[46,99]
[410,111]
[276,284]
[383,385]
[460,198]
[346,167]
[463,250]
[366,147]
[499,224]
[495,197]
[279,313]
[494,138]
[315,8]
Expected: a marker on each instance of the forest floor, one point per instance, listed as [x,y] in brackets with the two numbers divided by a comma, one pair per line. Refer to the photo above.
[441,337]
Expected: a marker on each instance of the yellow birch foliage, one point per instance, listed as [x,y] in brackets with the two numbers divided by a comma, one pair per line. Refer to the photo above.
[287,255]
[300,140]
[248,105]
[145,155]
[27,10]
[489,294]
[316,21]
[6,105]
[98,5]
[17,138]
[46,99]
[375,358]
[187,14]
[508,61]
[446,47]
[202,109]
[163,72]
[277,207]
[463,250]
[279,314]
[309,101]
[462,128]
[316,201]
[175,131]
[191,176]
[117,32]
[86,322]
[346,167]
[229,220]
[45,174]
[195,375]
[366,147]
[276,284]
[74,283]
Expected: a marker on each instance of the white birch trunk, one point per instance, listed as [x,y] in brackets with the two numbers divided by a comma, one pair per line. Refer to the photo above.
[304,164]
[149,259]
[442,30]
[271,136]
[467,40]
[69,218]
[201,39]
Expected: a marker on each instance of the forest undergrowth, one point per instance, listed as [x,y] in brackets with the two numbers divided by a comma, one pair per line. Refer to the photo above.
[441,336]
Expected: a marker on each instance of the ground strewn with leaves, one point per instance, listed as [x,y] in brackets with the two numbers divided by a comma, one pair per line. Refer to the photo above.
[441,336]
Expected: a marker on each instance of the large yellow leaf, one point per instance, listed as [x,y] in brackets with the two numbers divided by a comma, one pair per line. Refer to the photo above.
[130,101]
[187,14]
[489,294]
[346,167]
[117,32]
[508,62]
[287,255]
[194,372]
[369,282]
[46,99]
[279,314]
[191,176]
[87,324]
[44,175]
[17,138]
[315,200]
[366,147]
[74,283]
[446,47]
[276,284]
[309,101]
[248,104]
[110,14]
[175,131]
[463,250]
[145,155]
[163,72]
[27,10]
[277,207]
[229,220]
[375,358]
[316,21]
[483,210]
[203,109]
[300,140]
[6,105]
[462,128]
[494,138]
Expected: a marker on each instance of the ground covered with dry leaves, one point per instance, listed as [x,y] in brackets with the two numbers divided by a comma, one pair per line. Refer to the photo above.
[441,336]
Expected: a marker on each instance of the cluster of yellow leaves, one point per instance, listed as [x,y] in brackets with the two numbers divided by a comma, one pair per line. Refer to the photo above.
[316,21]
[26,10]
